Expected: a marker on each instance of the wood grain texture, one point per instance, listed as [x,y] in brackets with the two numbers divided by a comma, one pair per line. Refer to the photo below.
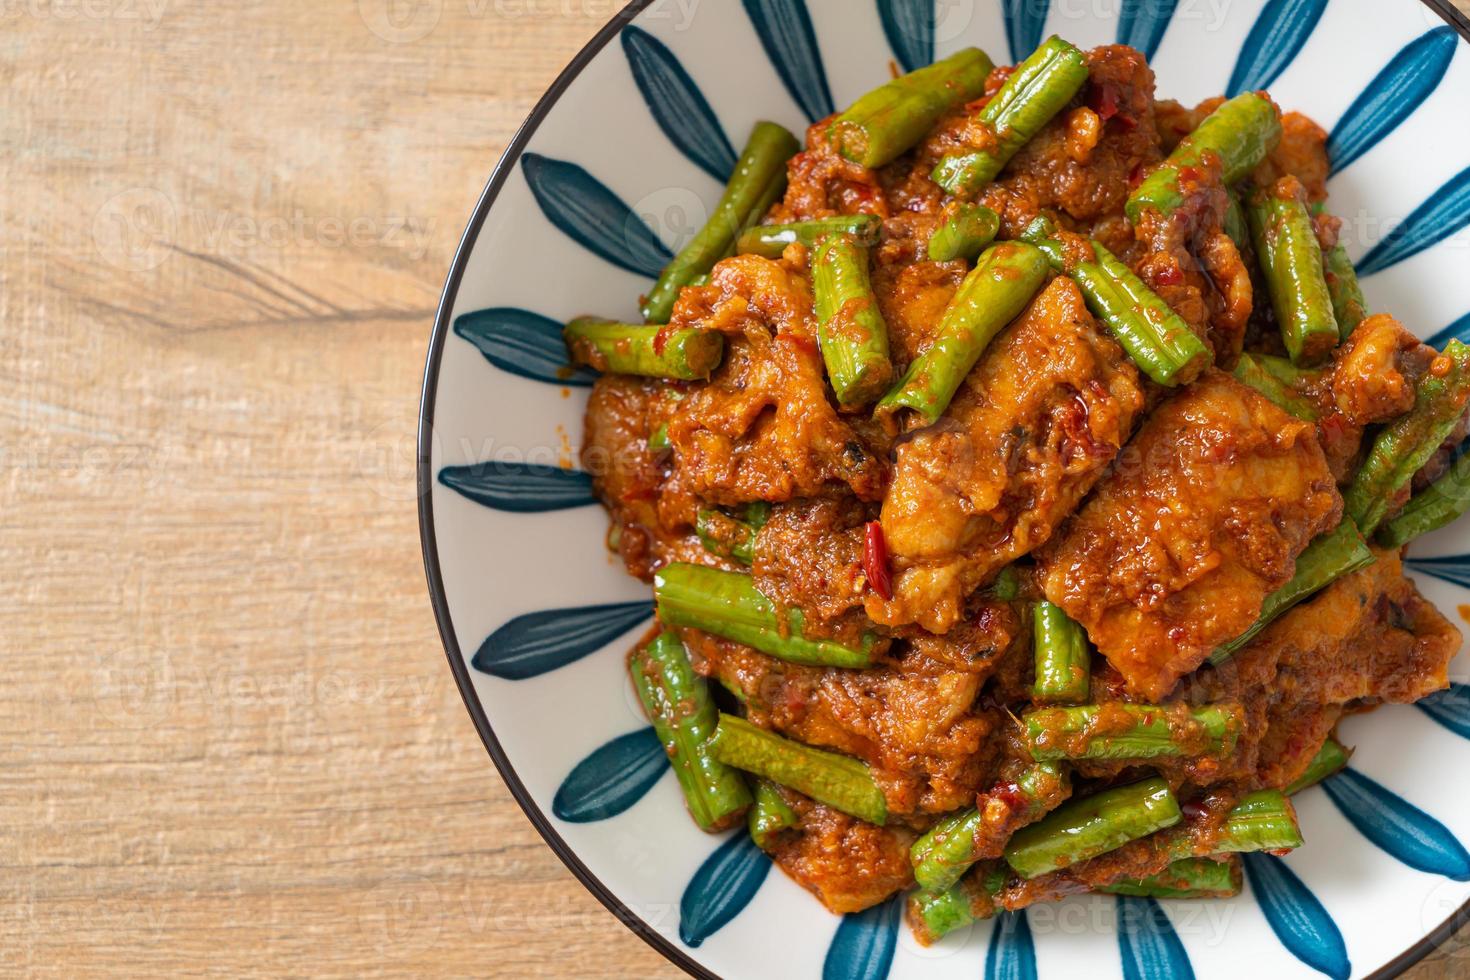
[230,741]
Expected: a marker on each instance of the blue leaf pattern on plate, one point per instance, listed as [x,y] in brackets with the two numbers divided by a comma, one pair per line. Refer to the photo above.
[1274,42]
[909,25]
[523,343]
[1459,330]
[1397,826]
[1142,24]
[1450,568]
[1024,22]
[611,779]
[540,642]
[864,944]
[1445,212]
[520,488]
[1297,918]
[1392,97]
[1012,955]
[1450,708]
[593,216]
[677,104]
[785,30]
[1148,944]
[721,888]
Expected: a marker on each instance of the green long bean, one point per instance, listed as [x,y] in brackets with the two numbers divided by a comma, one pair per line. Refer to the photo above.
[890,120]
[728,604]
[1004,281]
[1263,821]
[725,536]
[966,233]
[1147,328]
[1291,261]
[1348,303]
[935,914]
[1234,224]
[1094,825]
[1405,445]
[651,351]
[947,851]
[1039,88]
[839,781]
[1276,378]
[1063,671]
[771,241]
[677,702]
[1119,730]
[851,329]
[1241,132]
[770,815]
[1007,585]
[758,181]
[1339,552]
[1330,759]
[1432,508]
[1187,878]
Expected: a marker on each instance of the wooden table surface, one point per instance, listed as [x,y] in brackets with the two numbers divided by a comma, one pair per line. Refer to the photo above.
[230,741]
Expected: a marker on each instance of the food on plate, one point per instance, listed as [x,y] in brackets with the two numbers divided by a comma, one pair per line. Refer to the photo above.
[1023,480]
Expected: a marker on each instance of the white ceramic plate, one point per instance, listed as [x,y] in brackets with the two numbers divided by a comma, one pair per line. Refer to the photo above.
[586,205]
